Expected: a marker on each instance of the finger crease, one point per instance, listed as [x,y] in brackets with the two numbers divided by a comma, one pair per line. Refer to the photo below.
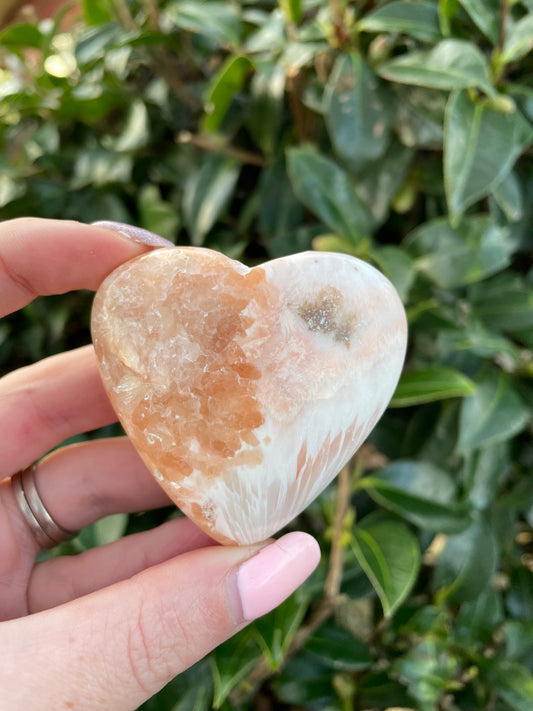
[17,279]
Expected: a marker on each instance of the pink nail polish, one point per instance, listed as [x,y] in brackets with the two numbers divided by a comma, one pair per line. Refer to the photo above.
[136,234]
[269,577]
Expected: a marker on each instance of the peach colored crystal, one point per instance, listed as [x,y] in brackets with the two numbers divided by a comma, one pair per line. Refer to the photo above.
[246,390]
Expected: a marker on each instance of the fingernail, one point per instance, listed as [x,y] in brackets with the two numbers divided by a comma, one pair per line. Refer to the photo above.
[269,577]
[136,234]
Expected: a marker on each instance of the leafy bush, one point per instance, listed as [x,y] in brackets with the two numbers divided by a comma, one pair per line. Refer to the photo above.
[399,132]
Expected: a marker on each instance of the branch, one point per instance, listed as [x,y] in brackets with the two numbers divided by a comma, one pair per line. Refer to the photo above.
[209,143]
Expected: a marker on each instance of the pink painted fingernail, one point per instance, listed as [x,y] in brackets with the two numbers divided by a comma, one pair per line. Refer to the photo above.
[270,576]
[136,234]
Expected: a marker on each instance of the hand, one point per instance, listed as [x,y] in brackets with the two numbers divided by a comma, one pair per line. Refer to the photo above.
[108,628]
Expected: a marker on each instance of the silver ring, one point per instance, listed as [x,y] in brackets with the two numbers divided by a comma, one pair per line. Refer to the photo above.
[44,529]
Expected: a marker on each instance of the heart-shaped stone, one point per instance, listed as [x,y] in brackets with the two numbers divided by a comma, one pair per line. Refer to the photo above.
[245,391]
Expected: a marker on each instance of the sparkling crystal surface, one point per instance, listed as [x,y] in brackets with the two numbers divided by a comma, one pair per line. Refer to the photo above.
[245,391]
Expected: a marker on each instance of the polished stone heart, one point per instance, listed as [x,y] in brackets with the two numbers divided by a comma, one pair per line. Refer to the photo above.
[245,391]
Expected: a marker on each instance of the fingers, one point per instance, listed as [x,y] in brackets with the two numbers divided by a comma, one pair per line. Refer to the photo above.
[82,483]
[60,580]
[55,256]
[117,647]
[43,404]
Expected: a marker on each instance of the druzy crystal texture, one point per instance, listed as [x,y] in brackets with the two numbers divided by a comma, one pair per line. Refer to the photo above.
[244,390]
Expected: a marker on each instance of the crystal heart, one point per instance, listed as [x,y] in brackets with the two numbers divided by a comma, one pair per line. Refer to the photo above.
[245,391]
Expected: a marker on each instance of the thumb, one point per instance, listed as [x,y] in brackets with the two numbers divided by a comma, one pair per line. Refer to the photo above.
[115,648]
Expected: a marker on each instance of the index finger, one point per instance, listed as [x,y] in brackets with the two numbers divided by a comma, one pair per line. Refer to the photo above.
[42,257]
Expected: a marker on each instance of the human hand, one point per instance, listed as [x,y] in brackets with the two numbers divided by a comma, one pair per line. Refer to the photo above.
[108,628]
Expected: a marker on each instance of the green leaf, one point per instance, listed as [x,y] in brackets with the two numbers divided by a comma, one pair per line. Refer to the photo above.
[513,682]
[226,83]
[453,256]
[494,413]
[280,212]
[485,472]
[292,9]
[276,630]
[96,41]
[420,116]
[466,566]
[397,266]
[481,146]
[390,556]
[209,18]
[509,197]
[231,662]
[420,493]
[327,191]
[358,111]
[518,40]
[21,37]
[451,64]
[380,181]
[486,15]
[416,19]
[338,649]
[479,619]
[96,12]
[206,194]
[136,131]
[306,681]
[157,215]
[435,383]
[97,166]
[266,110]
[503,304]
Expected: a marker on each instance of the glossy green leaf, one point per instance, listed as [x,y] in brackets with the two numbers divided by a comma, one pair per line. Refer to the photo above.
[338,649]
[509,197]
[513,682]
[397,266]
[481,146]
[435,383]
[226,83]
[231,662]
[416,19]
[381,179]
[327,190]
[21,36]
[306,681]
[157,215]
[466,566]
[97,166]
[486,15]
[96,12]
[266,110]
[485,473]
[494,413]
[518,40]
[357,110]
[96,42]
[420,493]
[276,630]
[453,256]
[519,640]
[280,212]
[206,194]
[479,619]
[503,304]
[420,116]
[136,131]
[390,556]
[519,598]
[210,18]
[451,64]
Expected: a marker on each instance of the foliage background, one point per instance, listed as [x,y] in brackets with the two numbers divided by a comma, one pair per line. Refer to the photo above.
[400,132]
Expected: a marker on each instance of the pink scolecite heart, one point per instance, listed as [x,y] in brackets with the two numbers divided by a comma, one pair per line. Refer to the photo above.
[245,391]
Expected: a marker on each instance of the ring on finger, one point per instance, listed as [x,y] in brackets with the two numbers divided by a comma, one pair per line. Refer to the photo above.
[46,531]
